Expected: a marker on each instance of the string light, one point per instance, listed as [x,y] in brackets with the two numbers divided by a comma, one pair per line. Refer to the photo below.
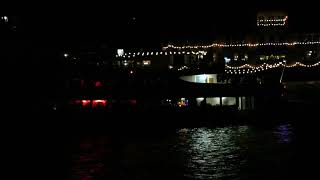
[133,54]
[241,45]
[263,22]
[249,69]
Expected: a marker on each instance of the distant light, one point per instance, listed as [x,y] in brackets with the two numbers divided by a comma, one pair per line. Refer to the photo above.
[120,52]
[98,84]
[146,62]
[86,102]
[99,102]
[132,101]
[66,55]
[226,60]
[131,72]
[5,18]
[77,101]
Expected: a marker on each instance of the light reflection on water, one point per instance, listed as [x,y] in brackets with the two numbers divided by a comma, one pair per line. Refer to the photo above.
[212,153]
[191,153]
[284,133]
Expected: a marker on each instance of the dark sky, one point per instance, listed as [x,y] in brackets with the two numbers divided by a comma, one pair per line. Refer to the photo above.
[141,24]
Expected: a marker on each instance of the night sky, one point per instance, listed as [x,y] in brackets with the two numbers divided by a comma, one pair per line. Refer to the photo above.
[147,25]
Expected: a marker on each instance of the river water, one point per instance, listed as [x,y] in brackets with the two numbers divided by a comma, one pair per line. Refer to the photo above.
[240,152]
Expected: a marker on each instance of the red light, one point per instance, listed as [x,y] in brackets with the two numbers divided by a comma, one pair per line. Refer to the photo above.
[97,103]
[132,101]
[76,102]
[98,84]
[86,102]
[82,83]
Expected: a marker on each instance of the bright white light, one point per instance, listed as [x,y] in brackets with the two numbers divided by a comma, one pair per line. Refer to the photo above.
[5,18]
[201,78]
[226,60]
[66,55]
[146,62]
[199,100]
[120,52]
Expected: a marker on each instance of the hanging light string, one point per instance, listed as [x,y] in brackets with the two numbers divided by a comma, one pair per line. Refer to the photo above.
[160,53]
[241,45]
[249,69]
[272,22]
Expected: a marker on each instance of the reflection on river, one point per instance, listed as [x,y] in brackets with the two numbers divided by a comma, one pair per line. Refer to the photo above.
[242,152]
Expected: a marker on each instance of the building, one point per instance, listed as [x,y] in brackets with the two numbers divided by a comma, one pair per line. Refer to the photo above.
[229,71]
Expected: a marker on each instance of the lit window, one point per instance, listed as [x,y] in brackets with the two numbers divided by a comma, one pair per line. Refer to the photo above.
[199,100]
[213,101]
[228,101]
[146,62]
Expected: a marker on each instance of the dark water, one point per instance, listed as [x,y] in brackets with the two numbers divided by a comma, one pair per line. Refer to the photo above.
[242,152]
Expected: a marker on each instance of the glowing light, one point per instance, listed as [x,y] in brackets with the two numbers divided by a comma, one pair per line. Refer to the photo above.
[120,52]
[97,103]
[132,101]
[241,44]
[86,103]
[98,84]
[5,18]
[146,62]
[227,60]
